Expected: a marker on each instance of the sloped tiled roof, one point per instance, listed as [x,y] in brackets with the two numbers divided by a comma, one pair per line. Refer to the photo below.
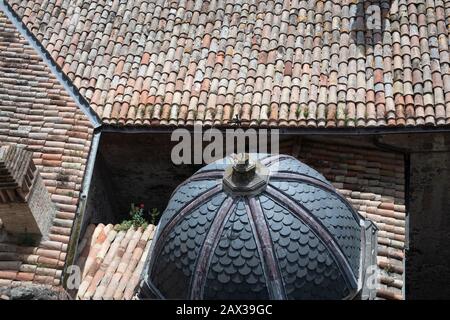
[36,112]
[297,63]
[112,261]
[373,182]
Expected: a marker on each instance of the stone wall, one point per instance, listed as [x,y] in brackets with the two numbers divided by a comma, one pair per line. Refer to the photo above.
[32,292]
[18,219]
[41,207]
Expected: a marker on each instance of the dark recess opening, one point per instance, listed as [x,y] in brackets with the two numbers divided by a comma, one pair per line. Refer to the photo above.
[132,168]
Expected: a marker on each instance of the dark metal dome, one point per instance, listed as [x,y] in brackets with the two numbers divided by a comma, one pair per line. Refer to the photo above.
[259,227]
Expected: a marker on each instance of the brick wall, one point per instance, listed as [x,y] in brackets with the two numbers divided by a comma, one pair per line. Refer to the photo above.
[25,204]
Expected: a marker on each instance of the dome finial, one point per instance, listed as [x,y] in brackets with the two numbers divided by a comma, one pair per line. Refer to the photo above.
[246,176]
[243,169]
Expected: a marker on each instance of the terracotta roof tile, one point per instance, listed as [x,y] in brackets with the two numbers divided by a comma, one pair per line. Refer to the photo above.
[109,49]
[112,261]
[38,114]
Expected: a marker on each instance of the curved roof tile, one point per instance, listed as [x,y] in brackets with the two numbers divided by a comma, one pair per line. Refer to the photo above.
[281,63]
[36,112]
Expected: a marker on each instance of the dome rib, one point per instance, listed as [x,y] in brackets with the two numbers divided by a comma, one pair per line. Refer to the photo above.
[317,227]
[319,184]
[266,250]
[268,161]
[168,227]
[206,252]
[205,175]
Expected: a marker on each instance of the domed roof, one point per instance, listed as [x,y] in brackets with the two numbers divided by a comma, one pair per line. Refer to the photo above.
[259,227]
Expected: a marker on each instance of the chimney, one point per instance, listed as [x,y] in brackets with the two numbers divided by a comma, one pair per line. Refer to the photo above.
[25,204]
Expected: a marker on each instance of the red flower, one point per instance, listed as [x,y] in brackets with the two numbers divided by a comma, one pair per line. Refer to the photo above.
[142,206]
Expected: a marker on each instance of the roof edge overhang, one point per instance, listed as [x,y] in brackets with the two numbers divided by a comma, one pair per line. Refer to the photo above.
[62,78]
[107,128]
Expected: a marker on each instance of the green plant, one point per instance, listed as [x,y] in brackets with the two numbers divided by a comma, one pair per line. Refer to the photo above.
[137,219]
[305,113]
[124,225]
[154,216]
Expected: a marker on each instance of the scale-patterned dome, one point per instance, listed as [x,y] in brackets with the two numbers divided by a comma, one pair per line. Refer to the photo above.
[268,227]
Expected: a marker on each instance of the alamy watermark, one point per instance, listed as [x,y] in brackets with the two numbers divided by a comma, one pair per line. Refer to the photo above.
[205,146]
[373,20]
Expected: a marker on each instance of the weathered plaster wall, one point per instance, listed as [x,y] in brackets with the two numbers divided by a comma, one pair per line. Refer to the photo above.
[428,257]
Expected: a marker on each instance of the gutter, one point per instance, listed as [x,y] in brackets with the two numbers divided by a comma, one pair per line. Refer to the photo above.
[72,248]
[64,80]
